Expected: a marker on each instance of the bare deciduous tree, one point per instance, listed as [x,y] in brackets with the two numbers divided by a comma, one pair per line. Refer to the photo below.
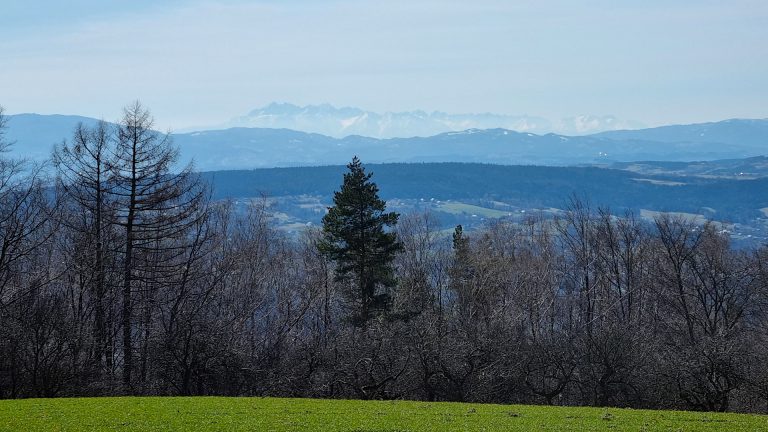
[153,206]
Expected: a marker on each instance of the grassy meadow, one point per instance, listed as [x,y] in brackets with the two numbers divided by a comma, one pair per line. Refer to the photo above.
[273,414]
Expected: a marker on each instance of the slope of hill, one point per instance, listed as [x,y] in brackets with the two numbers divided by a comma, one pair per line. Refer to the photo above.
[34,135]
[277,414]
[742,132]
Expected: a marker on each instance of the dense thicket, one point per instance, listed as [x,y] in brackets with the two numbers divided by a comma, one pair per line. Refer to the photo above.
[123,281]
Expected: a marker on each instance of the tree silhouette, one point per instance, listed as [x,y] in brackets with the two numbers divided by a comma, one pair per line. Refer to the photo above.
[356,238]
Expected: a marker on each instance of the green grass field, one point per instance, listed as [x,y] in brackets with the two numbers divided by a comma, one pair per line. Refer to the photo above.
[461,208]
[267,414]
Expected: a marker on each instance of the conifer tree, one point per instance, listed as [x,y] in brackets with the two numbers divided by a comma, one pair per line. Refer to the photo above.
[355,236]
[461,270]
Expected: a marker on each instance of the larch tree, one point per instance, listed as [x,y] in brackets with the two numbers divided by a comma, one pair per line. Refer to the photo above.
[357,236]
[83,167]
[155,208]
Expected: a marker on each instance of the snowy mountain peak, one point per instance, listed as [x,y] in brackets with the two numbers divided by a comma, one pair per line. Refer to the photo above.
[344,121]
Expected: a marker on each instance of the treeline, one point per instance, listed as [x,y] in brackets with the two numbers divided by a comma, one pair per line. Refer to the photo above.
[125,278]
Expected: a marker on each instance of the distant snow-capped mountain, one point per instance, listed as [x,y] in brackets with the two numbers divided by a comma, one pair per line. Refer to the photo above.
[340,122]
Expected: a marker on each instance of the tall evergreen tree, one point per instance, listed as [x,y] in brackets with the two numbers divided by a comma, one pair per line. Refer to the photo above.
[462,271]
[356,238]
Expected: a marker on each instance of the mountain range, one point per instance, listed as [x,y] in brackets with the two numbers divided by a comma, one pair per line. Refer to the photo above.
[341,122]
[246,148]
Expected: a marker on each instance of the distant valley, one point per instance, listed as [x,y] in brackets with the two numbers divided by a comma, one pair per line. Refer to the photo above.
[476,194]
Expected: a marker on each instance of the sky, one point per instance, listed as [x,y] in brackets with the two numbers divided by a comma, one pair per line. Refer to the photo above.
[203,62]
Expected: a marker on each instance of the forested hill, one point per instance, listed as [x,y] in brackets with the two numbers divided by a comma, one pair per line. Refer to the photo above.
[527,186]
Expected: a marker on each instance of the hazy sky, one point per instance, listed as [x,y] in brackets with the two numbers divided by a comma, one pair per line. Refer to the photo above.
[203,62]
